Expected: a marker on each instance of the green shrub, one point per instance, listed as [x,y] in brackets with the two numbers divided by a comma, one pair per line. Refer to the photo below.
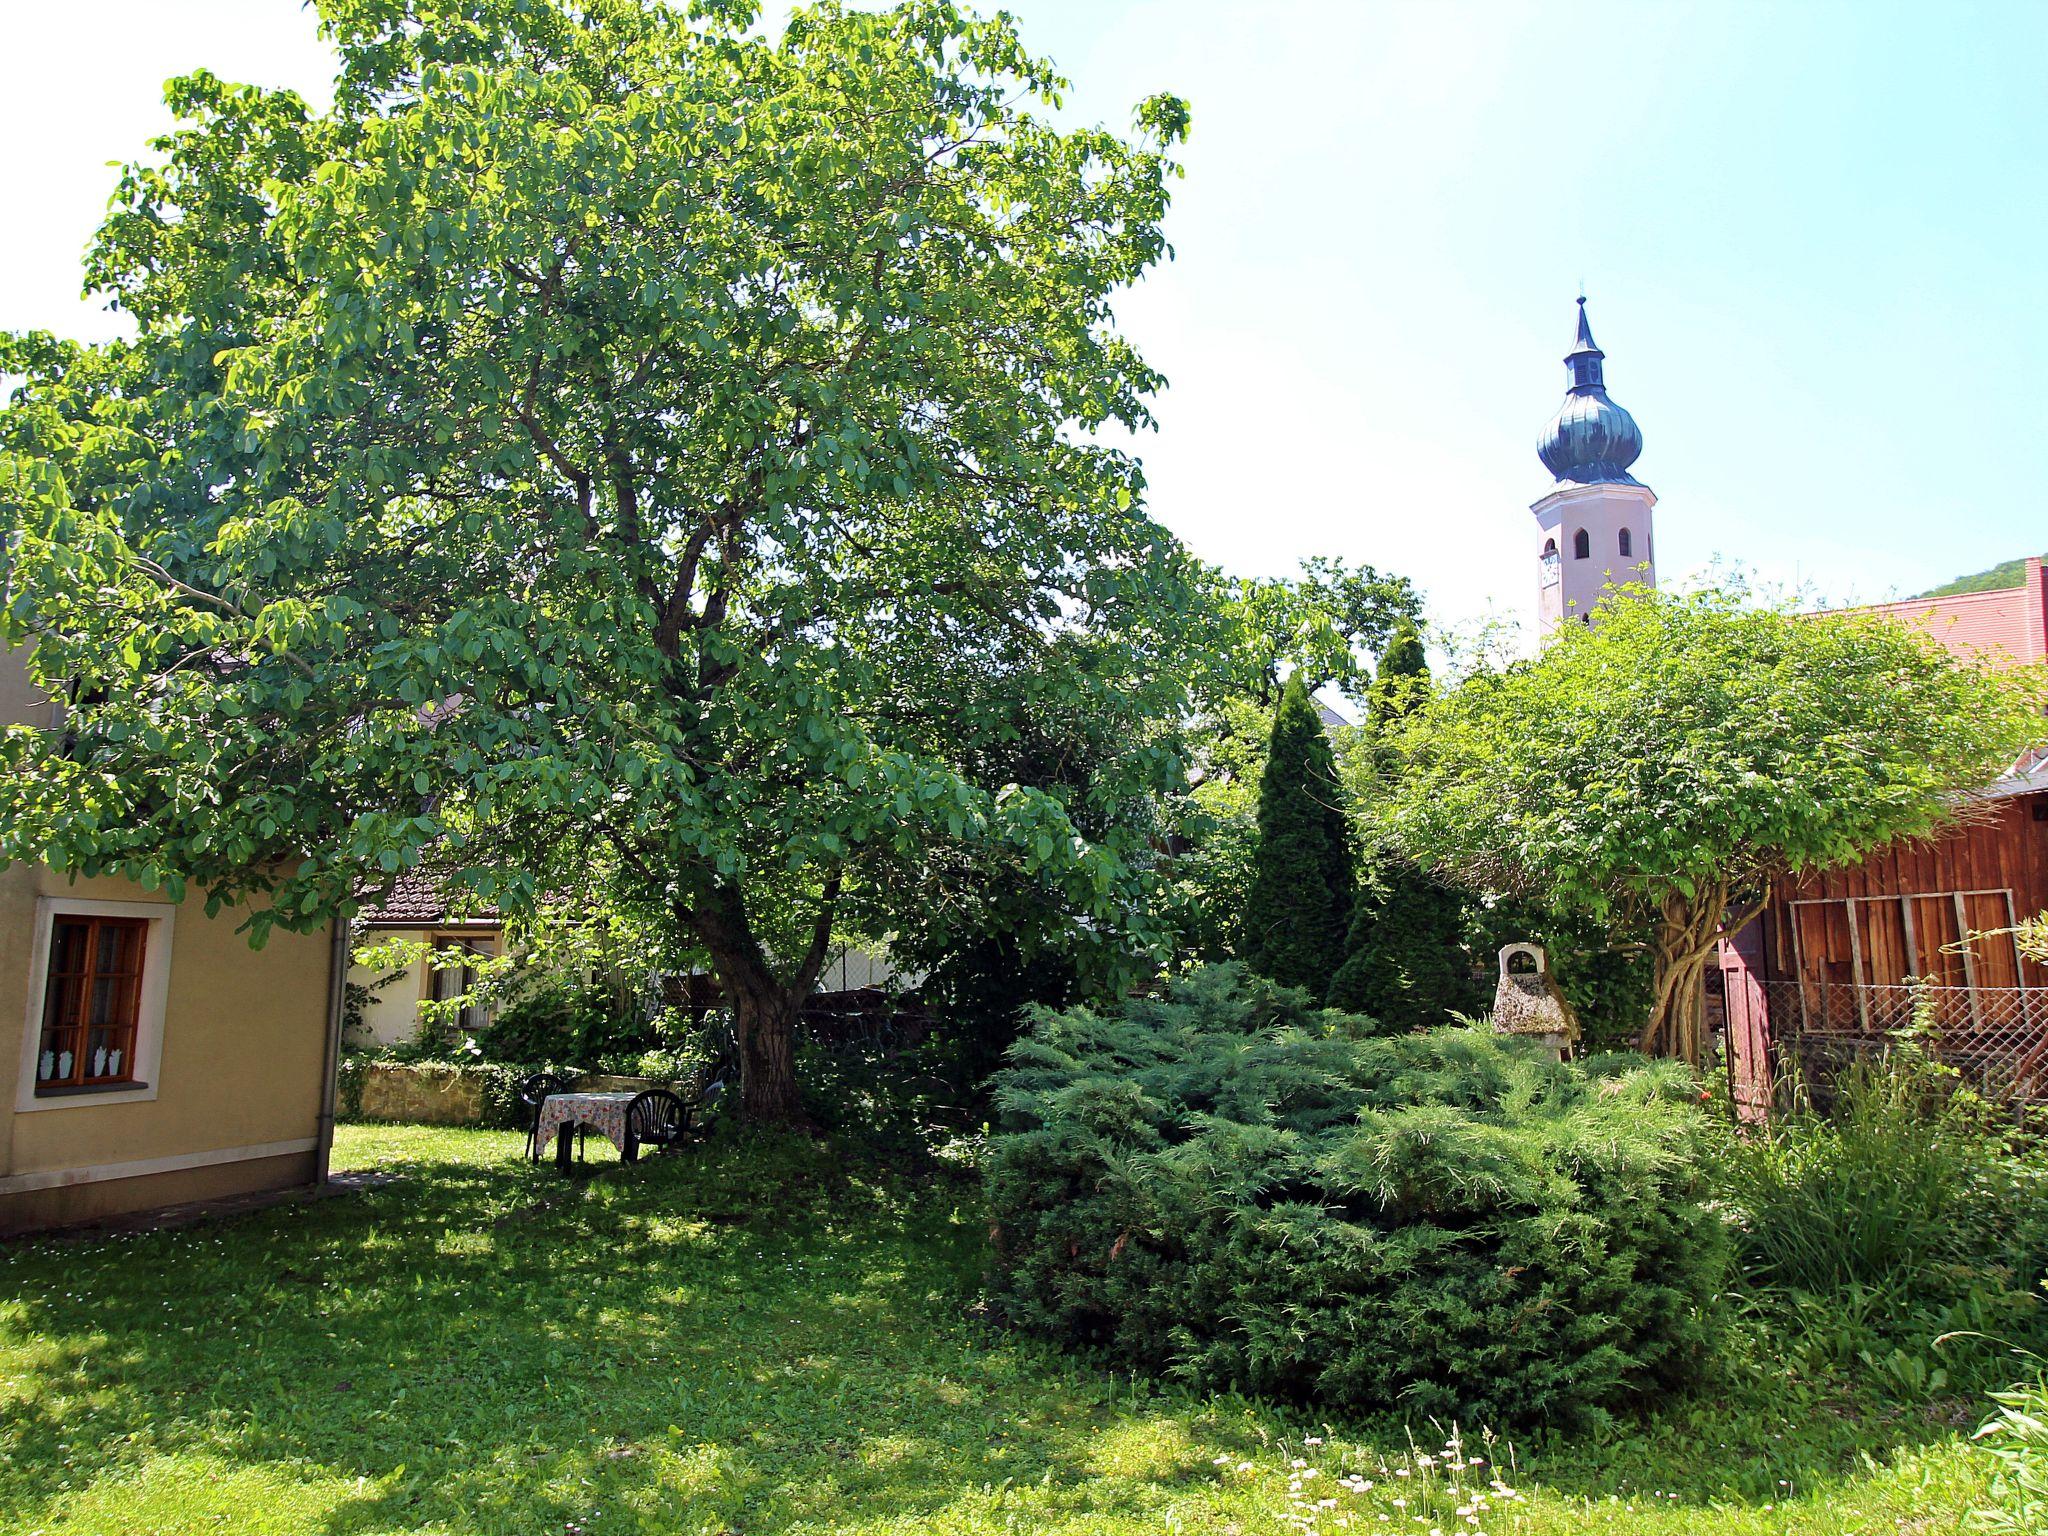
[350,1070]
[581,1024]
[1909,1210]
[1303,882]
[1239,1190]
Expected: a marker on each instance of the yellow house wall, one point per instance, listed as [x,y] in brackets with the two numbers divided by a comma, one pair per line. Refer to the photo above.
[244,1040]
[21,702]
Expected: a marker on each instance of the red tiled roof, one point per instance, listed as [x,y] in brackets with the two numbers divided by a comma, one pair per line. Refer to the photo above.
[416,900]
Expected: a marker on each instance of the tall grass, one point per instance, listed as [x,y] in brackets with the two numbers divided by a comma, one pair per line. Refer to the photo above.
[1900,1235]
[1890,1182]
[2017,1436]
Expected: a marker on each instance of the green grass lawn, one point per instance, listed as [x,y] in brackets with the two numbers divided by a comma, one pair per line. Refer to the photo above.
[751,1340]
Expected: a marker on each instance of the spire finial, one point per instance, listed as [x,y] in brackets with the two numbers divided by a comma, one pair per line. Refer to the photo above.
[1584,341]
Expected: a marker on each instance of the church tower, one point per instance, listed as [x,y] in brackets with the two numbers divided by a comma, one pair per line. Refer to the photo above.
[1593,529]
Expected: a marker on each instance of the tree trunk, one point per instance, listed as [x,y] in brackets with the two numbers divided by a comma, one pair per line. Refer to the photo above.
[1687,935]
[764,1019]
[764,1003]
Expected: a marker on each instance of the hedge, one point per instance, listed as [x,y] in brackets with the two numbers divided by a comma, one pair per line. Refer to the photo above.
[1233,1188]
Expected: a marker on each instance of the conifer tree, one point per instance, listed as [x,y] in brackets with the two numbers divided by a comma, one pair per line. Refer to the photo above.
[1303,880]
[1404,965]
[1401,680]
[1403,962]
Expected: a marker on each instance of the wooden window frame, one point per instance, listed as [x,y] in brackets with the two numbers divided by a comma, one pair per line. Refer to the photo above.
[471,1018]
[152,989]
[66,1059]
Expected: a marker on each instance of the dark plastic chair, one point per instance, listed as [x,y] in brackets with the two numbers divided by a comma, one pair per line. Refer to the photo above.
[533,1089]
[656,1118]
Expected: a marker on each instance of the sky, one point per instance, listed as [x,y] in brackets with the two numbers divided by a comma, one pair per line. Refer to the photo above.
[1814,238]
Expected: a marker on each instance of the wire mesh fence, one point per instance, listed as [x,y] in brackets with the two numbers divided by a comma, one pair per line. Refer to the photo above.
[1997,1037]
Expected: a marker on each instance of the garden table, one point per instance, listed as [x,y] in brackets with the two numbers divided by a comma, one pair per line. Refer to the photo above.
[605,1113]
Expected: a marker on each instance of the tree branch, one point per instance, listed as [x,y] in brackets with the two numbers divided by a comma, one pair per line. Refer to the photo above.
[807,973]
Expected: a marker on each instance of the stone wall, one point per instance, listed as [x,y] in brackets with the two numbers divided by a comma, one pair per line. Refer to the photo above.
[431,1095]
[422,1095]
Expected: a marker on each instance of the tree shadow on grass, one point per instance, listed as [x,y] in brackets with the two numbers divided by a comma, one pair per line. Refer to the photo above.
[746,1337]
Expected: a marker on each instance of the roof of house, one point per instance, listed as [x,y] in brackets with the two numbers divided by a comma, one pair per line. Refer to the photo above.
[417,899]
[2000,626]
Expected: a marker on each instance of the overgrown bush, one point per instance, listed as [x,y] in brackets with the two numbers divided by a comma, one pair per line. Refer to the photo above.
[351,1068]
[1909,1210]
[1239,1190]
[552,1019]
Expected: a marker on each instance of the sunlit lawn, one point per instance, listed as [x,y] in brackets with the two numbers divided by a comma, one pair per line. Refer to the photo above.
[753,1340]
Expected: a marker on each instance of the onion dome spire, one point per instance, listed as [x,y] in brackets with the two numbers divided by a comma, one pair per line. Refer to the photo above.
[1591,439]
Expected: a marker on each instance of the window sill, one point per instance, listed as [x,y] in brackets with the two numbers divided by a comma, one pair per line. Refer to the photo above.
[80,1090]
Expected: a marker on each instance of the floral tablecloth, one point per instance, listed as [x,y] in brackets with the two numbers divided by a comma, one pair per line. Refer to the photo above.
[604,1113]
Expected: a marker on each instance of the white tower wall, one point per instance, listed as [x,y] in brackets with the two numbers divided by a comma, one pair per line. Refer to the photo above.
[1569,584]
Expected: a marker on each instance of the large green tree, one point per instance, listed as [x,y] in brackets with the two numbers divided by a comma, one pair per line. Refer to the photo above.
[612,436]
[1325,626]
[1665,764]
[1303,869]
[1400,679]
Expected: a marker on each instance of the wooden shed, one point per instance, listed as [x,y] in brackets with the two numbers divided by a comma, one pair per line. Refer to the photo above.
[1916,933]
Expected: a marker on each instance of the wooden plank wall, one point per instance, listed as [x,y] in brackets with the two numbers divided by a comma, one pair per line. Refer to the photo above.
[2007,849]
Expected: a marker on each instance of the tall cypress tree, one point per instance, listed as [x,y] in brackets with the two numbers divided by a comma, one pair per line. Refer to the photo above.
[1404,962]
[1401,680]
[1302,879]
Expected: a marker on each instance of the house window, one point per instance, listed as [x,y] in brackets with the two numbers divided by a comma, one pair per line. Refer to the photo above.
[454,975]
[92,1002]
[1582,545]
[1626,550]
[1547,564]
